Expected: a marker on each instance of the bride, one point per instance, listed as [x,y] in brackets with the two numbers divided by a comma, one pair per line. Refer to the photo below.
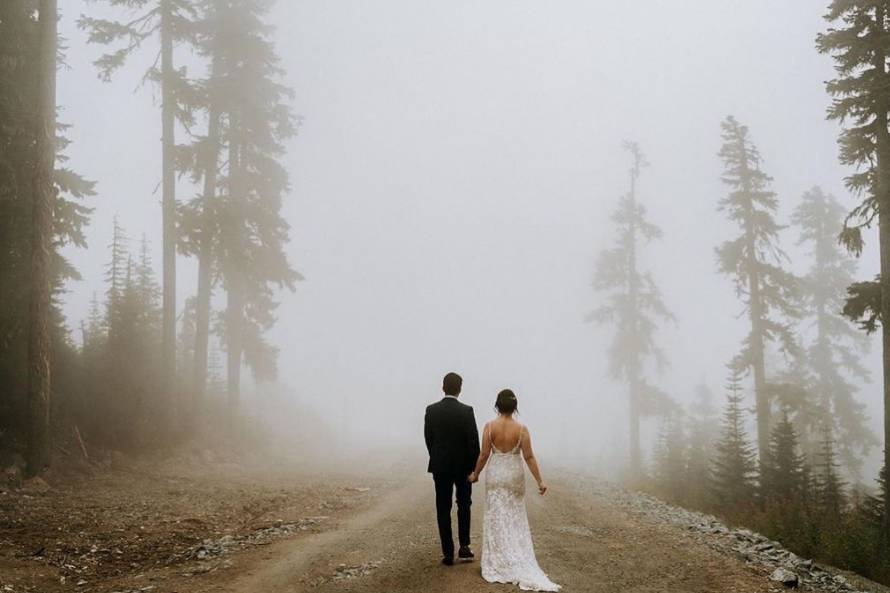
[508,555]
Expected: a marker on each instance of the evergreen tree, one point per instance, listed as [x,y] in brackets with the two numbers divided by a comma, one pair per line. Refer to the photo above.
[834,355]
[704,430]
[734,468]
[252,233]
[171,21]
[859,47]
[26,72]
[753,261]
[670,460]
[829,487]
[634,305]
[39,324]
[785,474]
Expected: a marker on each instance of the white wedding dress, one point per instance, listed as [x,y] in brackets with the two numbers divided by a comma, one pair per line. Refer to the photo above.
[508,554]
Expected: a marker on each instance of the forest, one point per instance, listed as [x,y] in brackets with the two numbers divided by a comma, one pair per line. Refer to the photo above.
[154,337]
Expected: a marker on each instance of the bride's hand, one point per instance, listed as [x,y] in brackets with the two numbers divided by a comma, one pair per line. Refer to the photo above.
[542,488]
[472,478]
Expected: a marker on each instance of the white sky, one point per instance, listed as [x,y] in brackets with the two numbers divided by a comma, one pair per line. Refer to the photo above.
[453,181]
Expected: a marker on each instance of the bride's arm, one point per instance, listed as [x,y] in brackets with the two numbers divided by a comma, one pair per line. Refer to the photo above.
[530,460]
[483,455]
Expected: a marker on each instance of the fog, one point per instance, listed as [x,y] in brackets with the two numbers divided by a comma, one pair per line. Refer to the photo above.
[452,185]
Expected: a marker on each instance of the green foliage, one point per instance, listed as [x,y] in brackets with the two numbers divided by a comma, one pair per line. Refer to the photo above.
[256,124]
[18,96]
[634,304]
[704,430]
[834,354]
[753,259]
[829,486]
[863,304]
[783,472]
[670,459]
[734,467]
[859,48]
[120,353]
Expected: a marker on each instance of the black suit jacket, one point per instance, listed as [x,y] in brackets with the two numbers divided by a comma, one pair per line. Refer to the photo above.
[452,438]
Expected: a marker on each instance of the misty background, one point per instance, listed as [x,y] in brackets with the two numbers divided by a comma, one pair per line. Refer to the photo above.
[452,184]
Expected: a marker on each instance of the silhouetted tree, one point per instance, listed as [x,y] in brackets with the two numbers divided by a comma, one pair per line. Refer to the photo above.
[784,473]
[252,233]
[734,467]
[859,48]
[829,487]
[753,261]
[39,323]
[834,354]
[634,305]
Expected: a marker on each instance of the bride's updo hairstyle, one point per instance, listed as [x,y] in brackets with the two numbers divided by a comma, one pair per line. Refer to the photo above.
[506,402]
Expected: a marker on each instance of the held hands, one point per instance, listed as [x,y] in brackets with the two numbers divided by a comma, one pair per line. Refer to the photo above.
[472,478]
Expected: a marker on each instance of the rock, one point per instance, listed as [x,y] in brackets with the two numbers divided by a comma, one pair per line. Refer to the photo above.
[786,577]
[35,484]
[12,477]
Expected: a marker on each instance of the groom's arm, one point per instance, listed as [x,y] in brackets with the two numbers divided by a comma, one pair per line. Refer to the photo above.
[428,432]
[474,437]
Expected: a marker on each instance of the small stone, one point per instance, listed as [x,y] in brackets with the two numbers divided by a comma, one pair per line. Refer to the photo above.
[785,576]
[35,484]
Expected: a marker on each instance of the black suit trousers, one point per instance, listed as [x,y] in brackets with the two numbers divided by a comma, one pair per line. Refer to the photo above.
[450,487]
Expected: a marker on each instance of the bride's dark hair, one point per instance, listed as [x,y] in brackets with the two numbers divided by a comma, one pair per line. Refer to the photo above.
[506,402]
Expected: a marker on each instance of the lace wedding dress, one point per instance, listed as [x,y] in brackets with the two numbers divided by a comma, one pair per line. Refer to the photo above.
[508,555]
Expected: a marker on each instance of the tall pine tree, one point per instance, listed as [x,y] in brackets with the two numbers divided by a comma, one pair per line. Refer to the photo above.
[835,351]
[860,50]
[252,233]
[753,260]
[25,71]
[634,305]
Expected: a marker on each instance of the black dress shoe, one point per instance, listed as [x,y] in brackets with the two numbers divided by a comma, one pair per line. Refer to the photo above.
[448,560]
[464,553]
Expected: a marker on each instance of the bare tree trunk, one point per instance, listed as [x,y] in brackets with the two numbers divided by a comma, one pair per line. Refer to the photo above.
[168,206]
[234,328]
[205,264]
[883,197]
[39,339]
[633,289]
[758,366]
[235,284]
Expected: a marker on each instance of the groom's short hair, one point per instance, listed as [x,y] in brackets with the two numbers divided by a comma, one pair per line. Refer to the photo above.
[452,383]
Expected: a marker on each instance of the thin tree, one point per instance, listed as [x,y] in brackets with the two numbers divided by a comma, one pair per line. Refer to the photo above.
[753,259]
[39,340]
[830,489]
[704,430]
[634,305]
[860,100]
[784,475]
[835,353]
[734,466]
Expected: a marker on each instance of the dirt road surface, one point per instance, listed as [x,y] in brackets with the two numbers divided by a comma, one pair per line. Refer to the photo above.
[582,542]
[321,531]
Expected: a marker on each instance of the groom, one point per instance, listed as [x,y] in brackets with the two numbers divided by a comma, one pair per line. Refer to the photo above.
[452,441]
